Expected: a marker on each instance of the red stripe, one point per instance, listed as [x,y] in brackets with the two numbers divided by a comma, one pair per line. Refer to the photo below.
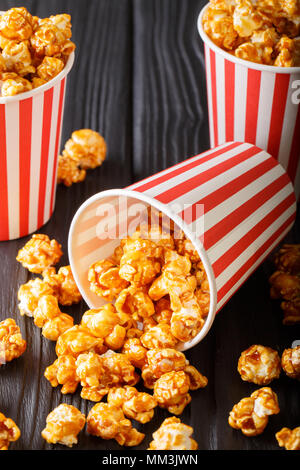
[253,90]
[4,226]
[281,90]
[229,99]
[179,169]
[235,218]
[246,266]
[295,150]
[48,101]
[213,77]
[25,126]
[219,195]
[57,140]
[196,181]
[224,261]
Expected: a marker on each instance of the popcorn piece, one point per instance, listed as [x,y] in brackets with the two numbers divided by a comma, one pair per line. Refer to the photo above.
[251,413]
[173,435]
[76,341]
[290,362]
[105,280]
[63,372]
[9,432]
[160,362]
[188,321]
[16,24]
[171,391]
[37,81]
[17,58]
[163,311]
[49,68]
[15,85]
[29,295]
[63,284]
[69,171]
[259,365]
[136,302]
[135,351]
[12,345]
[48,316]
[159,336]
[39,253]
[287,259]
[290,439]
[51,36]
[108,422]
[135,405]
[246,20]
[64,424]
[291,310]
[218,25]
[197,380]
[87,147]
[284,285]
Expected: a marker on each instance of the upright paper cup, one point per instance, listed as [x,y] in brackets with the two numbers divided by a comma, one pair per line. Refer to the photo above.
[30,131]
[235,203]
[254,103]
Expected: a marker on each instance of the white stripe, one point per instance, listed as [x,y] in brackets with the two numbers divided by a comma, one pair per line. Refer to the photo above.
[240,100]
[253,247]
[220,79]
[51,155]
[288,129]
[252,269]
[13,167]
[265,109]
[36,145]
[209,97]
[103,252]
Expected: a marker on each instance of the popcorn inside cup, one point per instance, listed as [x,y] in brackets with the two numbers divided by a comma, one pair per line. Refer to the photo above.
[142,266]
[261,31]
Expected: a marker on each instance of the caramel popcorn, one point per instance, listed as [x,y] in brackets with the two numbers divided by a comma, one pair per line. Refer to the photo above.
[287,286]
[63,372]
[9,432]
[63,284]
[30,293]
[287,259]
[259,365]
[171,391]
[48,316]
[288,438]
[173,435]
[135,405]
[163,311]
[251,414]
[64,424]
[290,362]
[78,340]
[86,146]
[159,336]
[136,302]
[39,253]
[12,345]
[260,31]
[136,352]
[105,280]
[69,171]
[108,422]
[34,50]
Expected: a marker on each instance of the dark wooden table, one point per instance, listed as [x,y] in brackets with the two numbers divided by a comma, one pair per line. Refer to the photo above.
[139,79]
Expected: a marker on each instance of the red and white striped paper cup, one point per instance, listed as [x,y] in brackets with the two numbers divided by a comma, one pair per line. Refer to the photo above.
[235,203]
[30,132]
[253,103]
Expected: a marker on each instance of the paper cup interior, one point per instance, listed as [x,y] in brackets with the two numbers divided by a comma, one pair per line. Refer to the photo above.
[99,225]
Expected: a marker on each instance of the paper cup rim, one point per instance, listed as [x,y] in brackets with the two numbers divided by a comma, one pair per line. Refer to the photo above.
[245,63]
[42,88]
[178,221]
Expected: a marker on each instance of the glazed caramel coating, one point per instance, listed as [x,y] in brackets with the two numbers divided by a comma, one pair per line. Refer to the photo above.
[171,391]
[288,438]
[87,147]
[12,345]
[17,24]
[30,293]
[64,424]
[69,171]
[39,253]
[48,316]
[251,414]
[135,405]
[173,435]
[287,259]
[259,364]
[290,362]
[108,422]
[162,361]
[9,432]
[17,58]
[136,352]
[105,280]
[78,340]
[15,85]
[159,336]
[63,372]
[51,36]
[187,321]
[197,380]
[163,311]
[102,321]
[49,68]
[63,284]
[291,311]
[135,301]
[284,285]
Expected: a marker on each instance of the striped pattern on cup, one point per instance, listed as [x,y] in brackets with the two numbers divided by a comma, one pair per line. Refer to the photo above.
[30,133]
[247,205]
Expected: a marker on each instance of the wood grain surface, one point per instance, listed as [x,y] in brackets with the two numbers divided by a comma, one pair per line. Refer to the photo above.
[139,79]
